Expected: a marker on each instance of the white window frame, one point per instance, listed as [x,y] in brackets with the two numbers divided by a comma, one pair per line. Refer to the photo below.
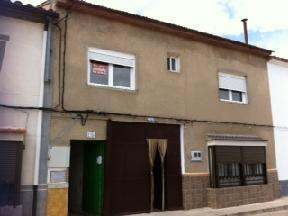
[110,68]
[177,62]
[243,93]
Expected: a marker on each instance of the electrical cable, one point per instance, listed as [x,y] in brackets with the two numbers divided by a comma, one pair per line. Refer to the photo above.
[102,113]
[131,115]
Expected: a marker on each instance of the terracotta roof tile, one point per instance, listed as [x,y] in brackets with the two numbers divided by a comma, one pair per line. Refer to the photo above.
[27,12]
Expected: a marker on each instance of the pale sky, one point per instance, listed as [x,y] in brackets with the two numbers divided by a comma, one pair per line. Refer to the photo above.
[267,19]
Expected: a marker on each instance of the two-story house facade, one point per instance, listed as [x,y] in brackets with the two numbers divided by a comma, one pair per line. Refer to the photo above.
[156,117]
[24,40]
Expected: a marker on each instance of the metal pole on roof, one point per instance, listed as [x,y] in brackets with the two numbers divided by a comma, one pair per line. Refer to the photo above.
[245,29]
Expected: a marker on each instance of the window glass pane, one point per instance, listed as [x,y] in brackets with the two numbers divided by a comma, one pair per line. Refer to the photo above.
[121,76]
[224,94]
[237,96]
[173,64]
[254,173]
[228,174]
[99,73]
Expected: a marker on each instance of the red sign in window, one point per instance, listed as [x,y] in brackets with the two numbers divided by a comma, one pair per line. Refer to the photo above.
[99,69]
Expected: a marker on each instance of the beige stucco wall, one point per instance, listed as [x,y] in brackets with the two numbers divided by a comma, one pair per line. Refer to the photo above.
[66,129]
[192,94]
[20,84]
[195,139]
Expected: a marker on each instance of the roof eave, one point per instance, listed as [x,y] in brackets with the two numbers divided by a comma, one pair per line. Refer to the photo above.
[159,26]
[26,12]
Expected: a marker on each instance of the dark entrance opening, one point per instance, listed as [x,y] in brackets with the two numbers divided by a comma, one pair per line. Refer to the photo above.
[158,183]
[86,178]
[10,172]
[127,168]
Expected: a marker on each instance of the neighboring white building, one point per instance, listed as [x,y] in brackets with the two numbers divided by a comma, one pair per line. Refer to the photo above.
[278,83]
[23,62]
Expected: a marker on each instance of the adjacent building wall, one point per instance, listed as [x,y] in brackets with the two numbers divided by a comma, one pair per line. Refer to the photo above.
[278,83]
[20,85]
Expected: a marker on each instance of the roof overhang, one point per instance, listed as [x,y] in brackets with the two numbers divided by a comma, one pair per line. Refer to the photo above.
[26,12]
[155,25]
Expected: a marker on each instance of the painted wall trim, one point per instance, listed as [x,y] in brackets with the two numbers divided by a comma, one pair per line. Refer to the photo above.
[39,122]
[236,143]
[182,146]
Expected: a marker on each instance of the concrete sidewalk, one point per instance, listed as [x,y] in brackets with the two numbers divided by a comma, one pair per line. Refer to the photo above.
[243,210]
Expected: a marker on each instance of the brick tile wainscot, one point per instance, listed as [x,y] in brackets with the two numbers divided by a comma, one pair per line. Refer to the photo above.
[197,192]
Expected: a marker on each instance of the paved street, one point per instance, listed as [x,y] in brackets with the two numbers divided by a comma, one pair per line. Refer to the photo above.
[278,213]
[277,207]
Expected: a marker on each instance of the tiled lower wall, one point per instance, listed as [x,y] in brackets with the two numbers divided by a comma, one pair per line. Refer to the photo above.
[284,188]
[197,193]
[57,202]
[194,190]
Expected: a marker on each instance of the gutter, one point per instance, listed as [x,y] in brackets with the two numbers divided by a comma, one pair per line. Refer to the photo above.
[38,143]
[45,124]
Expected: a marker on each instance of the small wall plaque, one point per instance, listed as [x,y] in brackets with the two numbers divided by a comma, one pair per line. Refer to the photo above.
[196,155]
[91,134]
[57,176]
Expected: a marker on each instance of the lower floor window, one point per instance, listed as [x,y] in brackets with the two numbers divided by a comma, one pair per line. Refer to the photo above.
[236,166]
[10,172]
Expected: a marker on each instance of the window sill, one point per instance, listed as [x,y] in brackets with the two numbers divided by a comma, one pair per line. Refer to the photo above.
[122,89]
[174,72]
[233,102]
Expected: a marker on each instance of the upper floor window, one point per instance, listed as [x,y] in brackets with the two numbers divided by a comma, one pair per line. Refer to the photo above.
[111,69]
[173,63]
[232,88]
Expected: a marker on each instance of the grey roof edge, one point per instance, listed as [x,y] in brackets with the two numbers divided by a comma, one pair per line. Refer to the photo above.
[26,12]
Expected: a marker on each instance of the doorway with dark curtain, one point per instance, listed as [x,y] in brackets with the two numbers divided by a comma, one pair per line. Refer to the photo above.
[127,168]
[157,171]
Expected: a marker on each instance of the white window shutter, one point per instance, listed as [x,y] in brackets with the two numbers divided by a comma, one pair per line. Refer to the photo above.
[232,82]
[112,59]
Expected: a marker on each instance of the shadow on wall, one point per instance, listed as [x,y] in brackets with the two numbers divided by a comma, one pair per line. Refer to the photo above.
[3,39]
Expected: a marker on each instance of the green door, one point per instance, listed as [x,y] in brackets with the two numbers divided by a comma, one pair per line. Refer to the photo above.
[93,178]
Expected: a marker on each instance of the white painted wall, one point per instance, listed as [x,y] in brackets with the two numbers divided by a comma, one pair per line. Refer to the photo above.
[278,84]
[21,80]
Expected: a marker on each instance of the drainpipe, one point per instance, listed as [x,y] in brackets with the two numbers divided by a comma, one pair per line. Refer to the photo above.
[45,127]
[245,29]
[39,123]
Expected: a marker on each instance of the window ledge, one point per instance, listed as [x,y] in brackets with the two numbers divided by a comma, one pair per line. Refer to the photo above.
[174,72]
[233,102]
[113,88]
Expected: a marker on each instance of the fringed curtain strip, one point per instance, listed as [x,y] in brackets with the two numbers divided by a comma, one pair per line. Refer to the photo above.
[162,148]
[153,146]
[152,150]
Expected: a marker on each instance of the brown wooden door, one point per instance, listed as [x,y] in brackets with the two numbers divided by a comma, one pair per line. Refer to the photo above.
[127,180]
